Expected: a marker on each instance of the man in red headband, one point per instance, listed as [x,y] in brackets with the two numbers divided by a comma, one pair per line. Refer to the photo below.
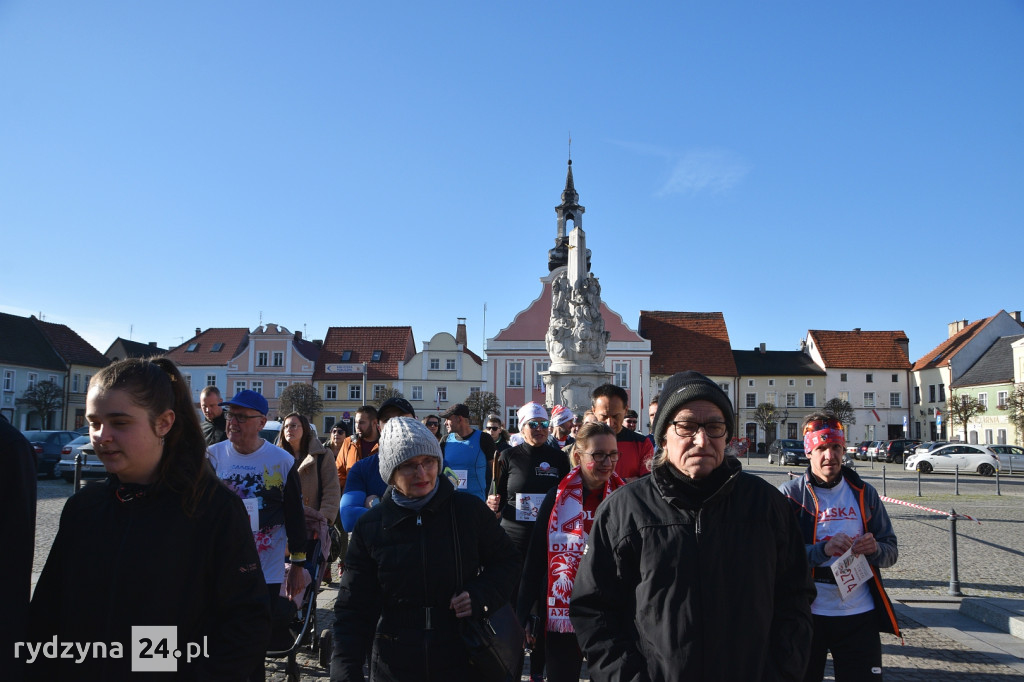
[838,511]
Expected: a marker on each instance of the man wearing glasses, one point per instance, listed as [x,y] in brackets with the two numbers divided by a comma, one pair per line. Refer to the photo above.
[694,558]
[267,479]
[467,452]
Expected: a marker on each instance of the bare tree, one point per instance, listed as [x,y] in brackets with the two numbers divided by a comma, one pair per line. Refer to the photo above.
[962,408]
[44,398]
[385,395]
[301,398]
[843,411]
[481,404]
[1015,406]
[766,416]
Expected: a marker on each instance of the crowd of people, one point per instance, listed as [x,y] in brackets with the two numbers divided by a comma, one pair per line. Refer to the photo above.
[648,557]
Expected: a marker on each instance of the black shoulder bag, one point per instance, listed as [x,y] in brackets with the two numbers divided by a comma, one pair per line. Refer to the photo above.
[495,642]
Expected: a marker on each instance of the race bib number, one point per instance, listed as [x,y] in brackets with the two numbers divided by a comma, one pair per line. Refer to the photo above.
[527,506]
[462,478]
[852,572]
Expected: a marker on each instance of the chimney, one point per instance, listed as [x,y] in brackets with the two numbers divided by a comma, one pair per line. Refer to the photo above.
[152,344]
[1015,315]
[460,332]
[198,331]
[857,329]
[956,327]
[904,345]
[298,336]
[761,349]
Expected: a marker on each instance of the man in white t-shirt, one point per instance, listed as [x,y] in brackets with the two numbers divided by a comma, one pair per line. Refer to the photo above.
[267,480]
[837,511]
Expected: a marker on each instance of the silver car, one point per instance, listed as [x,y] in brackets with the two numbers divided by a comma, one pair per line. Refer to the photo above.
[91,464]
[1011,457]
[953,457]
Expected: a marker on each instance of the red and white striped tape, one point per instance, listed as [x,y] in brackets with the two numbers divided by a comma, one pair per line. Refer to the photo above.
[936,511]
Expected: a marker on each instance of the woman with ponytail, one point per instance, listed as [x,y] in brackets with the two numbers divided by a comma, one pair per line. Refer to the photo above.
[160,543]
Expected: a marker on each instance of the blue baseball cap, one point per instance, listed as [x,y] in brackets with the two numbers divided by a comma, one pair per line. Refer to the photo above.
[249,399]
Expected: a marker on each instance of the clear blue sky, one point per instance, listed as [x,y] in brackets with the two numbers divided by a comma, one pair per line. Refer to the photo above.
[829,165]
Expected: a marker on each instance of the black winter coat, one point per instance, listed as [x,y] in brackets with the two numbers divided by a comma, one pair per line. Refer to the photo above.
[683,583]
[400,577]
[117,564]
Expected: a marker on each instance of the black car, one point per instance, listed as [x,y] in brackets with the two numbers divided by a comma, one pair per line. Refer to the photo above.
[787,451]
[47,446]
[895,451]
[862,449]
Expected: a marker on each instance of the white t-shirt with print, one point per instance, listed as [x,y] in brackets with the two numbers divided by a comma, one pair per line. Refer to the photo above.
[838,512]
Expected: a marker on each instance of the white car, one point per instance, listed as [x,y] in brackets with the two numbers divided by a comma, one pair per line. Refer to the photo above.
[978,458]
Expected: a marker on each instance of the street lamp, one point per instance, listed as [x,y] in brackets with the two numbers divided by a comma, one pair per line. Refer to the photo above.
[783,418]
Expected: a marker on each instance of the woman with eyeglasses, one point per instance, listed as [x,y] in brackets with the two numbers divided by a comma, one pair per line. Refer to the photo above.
[400,597]
[433,424]
[556,548]
[525,474]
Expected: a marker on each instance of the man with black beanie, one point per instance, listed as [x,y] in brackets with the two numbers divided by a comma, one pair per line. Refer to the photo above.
[708,556]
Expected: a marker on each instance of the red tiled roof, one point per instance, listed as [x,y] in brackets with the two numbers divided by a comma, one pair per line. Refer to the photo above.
[235,339]
[862,350]
[941,354]
[70,346]
[684,341]
[396,344]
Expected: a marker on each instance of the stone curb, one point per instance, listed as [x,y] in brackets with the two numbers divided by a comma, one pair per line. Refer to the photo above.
[1004,614]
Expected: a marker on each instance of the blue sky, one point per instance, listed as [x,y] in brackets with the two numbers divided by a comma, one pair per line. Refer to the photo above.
[166,166]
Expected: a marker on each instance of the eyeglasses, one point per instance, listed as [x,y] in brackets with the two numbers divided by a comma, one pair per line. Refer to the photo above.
[602,457]
[819,424]
[538,424]
[410,468]
[686,429]
[494,428]
[240,418]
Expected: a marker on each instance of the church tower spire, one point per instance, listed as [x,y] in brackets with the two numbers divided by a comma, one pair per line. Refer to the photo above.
[569,214]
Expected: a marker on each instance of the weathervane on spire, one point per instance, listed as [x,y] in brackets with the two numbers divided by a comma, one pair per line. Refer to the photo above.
[570,147]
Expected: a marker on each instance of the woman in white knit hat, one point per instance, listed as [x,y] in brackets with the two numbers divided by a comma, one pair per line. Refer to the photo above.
[400,593]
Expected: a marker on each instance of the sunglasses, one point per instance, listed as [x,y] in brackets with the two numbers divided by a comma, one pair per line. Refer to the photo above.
[433,425]
[494,428]
[538,424]
[819,424]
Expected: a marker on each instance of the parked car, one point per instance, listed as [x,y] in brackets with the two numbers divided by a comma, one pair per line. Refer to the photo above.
[896,451]
[862,450]
[873,449]
[928,447]
[787,451]
[47,446]
[978,458]
[91,464]
[272,429]
[1011,457]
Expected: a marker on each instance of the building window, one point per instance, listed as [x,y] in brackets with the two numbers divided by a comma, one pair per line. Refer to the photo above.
[917,395]
[771,382]
[621,370]
[379,390]
[515,374]
[88,378]
[869,400]
[8,379]
[278,358]
[239,386]
[258,387]
[192,348]
[376,356]
[1001,437]
[769,397]
[844,396]
[750,383]
[942,393]
[869,378]
[474,390]
[842,376]
[328,424]
[262,358]
[188,380]
[331,392]
[808,400]
[417,393]
[355,392]
[449,364]
[75,378]
[988,435]
[211,379]
[931,393]
[895,378]
[983,399]
[346,355]
[810,382]
[281,385]
[217,347]
[895,399]
[1001,398]
[725,388]
[32,379]
[791,428]
[442,394]
[792,382]
[538,367]
[512,419]
[435,363]
[751,400]
[791,400]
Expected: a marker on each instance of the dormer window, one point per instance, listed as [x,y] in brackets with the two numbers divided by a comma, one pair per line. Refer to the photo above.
[192,348]
[217,347]
[376,356]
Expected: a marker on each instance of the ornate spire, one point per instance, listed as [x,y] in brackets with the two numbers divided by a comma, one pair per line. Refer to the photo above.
[568,211]
[569,195]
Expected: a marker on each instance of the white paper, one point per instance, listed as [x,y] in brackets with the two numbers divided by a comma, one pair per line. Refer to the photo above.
[252,506]
[852,572]
[527,506]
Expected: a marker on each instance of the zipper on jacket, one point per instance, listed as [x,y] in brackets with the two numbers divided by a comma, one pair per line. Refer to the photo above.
[426,609]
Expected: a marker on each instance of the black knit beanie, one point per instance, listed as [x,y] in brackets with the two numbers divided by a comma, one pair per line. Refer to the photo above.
[686,387]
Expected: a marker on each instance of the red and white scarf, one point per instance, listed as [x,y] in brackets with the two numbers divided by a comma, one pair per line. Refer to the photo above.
[568,529]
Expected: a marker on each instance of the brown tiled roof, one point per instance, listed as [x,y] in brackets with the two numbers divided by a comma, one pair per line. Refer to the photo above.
[940,355]
[396,344]
[858,349]
[682,341]
[235,339]
[70,346]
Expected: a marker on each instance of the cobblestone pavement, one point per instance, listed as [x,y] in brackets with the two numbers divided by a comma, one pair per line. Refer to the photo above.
[990,563]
